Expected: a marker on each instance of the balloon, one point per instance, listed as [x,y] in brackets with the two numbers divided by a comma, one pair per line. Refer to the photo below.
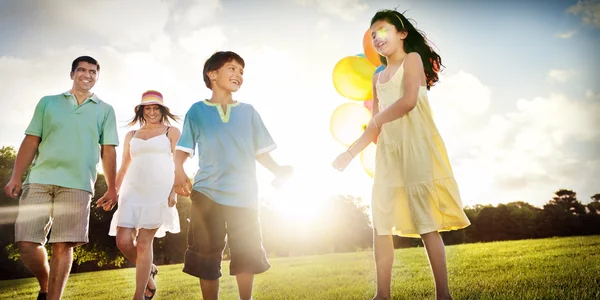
[353,78]
[369,105]
[348,121]
[367,159]
[379,69]
[370,52]
[361,55]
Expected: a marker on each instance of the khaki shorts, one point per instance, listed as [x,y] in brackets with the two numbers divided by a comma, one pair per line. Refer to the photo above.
[64,210]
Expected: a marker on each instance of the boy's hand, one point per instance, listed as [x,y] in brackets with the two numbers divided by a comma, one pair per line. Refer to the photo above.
[342,161]
[282,174]
[182,185]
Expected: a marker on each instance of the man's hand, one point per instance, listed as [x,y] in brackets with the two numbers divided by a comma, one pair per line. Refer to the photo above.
[182,185]
[108,201]
[13,187]
[172,199]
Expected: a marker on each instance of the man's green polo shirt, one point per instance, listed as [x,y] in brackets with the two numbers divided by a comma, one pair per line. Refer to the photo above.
[71,136]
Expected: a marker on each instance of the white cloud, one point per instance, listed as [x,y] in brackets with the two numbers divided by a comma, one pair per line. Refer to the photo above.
[561,75]
[524,154]
[190,15]
[345,9]
[204,41]
[123,23]
[589,11]
[566,35]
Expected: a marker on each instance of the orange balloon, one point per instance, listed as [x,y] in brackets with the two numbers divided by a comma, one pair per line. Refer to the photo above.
[370,52]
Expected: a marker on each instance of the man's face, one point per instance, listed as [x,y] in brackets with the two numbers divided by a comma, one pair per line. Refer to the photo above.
[85,75]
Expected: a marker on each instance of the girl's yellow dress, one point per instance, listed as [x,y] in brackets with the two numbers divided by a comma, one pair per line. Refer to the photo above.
[414,190]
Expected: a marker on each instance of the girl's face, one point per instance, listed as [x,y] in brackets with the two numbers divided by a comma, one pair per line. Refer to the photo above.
[152,114]
[386,39]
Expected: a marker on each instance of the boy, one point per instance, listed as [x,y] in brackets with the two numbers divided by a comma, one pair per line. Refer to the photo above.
[230,137]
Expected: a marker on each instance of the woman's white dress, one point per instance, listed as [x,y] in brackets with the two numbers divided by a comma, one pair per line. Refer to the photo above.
[143,198]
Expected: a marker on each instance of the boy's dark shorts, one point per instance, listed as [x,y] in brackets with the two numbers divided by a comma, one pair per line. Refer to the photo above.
[210,222]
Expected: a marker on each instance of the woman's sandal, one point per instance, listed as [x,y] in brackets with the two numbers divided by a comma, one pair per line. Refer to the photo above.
[152,274]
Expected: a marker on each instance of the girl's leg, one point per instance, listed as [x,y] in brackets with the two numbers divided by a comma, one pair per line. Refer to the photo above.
[143,263]
[384,259]
[434,245]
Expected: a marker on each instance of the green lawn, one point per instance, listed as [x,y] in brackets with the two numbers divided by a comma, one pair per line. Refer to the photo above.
[558,268]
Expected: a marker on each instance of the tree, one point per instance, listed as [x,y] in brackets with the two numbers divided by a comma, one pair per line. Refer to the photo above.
[567,200]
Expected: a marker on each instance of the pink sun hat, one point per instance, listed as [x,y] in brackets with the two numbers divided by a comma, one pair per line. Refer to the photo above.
[151,97]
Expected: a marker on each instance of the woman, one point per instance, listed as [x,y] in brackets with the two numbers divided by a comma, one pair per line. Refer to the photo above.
[144,183]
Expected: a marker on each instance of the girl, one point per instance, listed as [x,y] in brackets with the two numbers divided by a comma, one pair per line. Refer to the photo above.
[144,183]
[414,191]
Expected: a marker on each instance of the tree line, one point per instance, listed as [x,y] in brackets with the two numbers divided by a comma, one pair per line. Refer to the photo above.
[344,226]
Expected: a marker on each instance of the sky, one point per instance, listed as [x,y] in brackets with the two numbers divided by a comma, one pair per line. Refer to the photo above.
[517,105]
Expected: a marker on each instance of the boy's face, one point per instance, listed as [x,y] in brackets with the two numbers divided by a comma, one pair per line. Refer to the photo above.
[229,77]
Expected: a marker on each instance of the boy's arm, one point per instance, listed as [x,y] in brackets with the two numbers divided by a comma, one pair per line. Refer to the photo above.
[267,161]
[184,148]
[182,185]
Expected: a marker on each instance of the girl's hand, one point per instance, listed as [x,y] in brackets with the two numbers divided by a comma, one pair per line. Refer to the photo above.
[342,161]
[172,199]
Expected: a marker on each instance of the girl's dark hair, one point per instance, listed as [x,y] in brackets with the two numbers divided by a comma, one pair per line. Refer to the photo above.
[415,41]
[139,116]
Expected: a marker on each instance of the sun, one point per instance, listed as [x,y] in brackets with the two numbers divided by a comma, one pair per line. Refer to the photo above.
[300,199]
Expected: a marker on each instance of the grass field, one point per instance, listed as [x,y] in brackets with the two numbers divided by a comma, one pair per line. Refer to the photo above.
[557,268]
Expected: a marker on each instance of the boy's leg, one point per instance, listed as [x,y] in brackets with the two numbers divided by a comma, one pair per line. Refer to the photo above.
[244,282]
[206,242]
[31,228]
[248,257]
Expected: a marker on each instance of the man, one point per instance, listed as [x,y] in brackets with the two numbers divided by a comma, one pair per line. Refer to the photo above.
[67,135]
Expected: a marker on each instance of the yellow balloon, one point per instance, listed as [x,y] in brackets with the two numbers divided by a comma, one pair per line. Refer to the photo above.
[348,121]
[367,159]
[352,78]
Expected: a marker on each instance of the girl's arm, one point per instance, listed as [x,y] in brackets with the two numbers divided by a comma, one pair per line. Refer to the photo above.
[372,131]
[125,163]
[413,71]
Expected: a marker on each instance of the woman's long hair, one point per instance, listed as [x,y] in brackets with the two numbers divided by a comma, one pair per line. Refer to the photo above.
[166,115]
[415,41]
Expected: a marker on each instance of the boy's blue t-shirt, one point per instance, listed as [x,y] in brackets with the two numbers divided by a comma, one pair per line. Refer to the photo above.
[227,143]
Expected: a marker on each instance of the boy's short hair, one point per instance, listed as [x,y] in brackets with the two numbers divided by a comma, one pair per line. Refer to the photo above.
[217,60]
[87,59]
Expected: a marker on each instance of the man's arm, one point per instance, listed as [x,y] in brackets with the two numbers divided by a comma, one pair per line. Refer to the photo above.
[109,166]
[25,155]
